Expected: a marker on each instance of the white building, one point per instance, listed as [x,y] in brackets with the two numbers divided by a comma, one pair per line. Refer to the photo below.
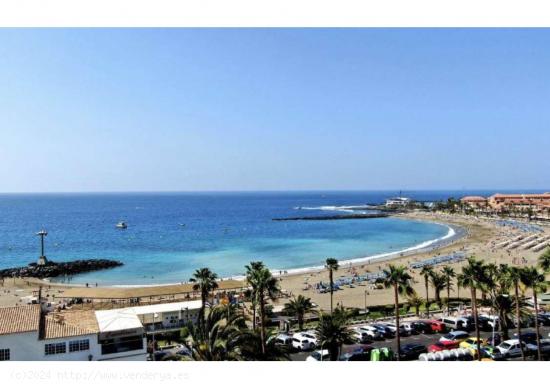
[86,335]
[398,202]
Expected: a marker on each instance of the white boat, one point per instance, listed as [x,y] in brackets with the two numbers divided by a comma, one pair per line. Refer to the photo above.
[122,225]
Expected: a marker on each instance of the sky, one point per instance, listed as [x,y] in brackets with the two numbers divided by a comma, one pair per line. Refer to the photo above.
[85,110]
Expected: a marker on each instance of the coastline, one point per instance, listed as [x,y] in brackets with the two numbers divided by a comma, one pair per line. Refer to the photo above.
[455,233]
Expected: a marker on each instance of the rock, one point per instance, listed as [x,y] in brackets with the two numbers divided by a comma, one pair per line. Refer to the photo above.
[54,269]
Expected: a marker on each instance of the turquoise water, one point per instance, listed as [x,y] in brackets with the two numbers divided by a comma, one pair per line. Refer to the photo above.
[170,235]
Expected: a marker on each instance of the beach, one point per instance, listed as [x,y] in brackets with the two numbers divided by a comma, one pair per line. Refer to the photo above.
[471,235]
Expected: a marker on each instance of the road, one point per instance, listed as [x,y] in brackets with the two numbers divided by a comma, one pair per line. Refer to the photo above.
[423,339]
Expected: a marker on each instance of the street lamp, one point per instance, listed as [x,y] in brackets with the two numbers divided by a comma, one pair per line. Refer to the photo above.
[42,260]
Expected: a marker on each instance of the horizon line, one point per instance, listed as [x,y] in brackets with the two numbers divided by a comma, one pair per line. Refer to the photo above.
[496,190]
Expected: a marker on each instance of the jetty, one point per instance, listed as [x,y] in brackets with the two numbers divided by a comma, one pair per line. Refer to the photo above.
[334,217]
[53,269]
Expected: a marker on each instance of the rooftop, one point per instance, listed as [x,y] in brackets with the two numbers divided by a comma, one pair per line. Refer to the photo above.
[71,324]
[19,319]
[117,320]
[473,198]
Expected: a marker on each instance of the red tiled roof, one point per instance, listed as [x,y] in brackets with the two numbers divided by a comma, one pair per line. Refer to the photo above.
[71,324]
[19,319]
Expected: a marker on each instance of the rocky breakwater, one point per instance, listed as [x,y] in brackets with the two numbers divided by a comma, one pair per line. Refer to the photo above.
[54,269]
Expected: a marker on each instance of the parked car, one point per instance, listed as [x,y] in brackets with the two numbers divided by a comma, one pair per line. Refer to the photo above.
[402,330]
[511,348]
[386,331]
[411,351]
[361,336]
[544,319]
[302,343]
[529,337]
[410,328]
[447,345]
[356,353]
[471,343]
[454,336]
[455,323]
[372,332]
[437,326]
[282,340]
[422,327]
[319,355]
[491,353]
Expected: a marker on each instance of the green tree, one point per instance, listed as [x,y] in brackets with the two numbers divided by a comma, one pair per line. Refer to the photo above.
[534,280]
[415,301]
[332,266]
[265,287]
[544,260]
[299,306]
[398,278]
[332,332]
[204,281]
[438,282]
[514,274]
[426,272]
[449,274]
[473,277]
[252,293]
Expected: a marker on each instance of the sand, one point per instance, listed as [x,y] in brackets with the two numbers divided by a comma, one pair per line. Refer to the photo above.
[479,237]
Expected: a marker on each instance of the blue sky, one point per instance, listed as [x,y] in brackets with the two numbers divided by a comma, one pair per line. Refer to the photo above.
[268,109]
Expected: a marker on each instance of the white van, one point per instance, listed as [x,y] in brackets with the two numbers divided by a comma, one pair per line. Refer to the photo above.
[301,342]
[455,323]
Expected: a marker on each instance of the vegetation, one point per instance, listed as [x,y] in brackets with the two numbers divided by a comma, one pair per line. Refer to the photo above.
[264,287]
[205,282]
[427,272]
[299,306]
[332,332]
[332,266]
[534,280]
[449,274]
[473,277]
[398,278]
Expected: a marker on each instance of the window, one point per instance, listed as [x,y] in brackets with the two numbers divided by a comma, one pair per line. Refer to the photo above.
[79,345]
[57,348]
[4,354]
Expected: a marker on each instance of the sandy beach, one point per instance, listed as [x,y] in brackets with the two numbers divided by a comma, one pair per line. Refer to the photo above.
[474,236]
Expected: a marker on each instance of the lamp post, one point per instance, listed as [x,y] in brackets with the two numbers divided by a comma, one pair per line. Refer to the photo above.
[42,260]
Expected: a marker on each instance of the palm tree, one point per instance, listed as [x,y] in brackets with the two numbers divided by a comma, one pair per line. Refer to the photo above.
[398,278]
[534,280]
[253,266]
[333,333]
[473,276]
[205,282]
[514,274]
[449,274]
[544,260]
[415,301]
[426,272]
[332,266]
[265,287]
[299,306]
[438,282]
[219,338]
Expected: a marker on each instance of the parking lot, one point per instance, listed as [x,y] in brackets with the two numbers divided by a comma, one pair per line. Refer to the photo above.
[424,339]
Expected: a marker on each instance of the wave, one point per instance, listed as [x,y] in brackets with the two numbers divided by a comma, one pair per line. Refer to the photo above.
[378,257]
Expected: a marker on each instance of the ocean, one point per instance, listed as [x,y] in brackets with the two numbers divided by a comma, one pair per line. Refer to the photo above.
[169,235]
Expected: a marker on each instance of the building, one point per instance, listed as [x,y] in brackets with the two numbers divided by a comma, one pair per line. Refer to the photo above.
[397,202]
[30,333]
[537,202]
[475,202]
